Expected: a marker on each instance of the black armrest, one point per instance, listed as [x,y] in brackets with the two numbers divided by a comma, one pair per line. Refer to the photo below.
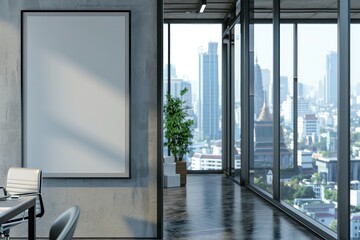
[4,190]
[42,209]
[26,194]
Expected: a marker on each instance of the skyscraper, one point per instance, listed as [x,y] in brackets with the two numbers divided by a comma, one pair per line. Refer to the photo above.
[284,88]
[209,108]
[258,90]
[172,71]
[321,90]
[287,109]
[330,79]
[265,74]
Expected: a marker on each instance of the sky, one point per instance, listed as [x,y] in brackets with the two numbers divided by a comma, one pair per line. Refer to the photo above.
[315,41]
[187,40]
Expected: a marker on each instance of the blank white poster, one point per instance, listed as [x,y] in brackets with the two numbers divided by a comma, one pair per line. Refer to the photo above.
[76,93]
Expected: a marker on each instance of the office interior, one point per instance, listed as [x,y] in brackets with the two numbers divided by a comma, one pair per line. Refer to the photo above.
[293,143]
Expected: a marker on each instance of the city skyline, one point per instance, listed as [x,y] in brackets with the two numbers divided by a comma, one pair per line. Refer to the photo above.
[315,41]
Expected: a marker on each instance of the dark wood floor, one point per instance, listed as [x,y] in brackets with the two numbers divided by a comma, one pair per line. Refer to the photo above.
[214,207]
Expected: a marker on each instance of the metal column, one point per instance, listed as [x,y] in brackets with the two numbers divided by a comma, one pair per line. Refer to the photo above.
[245,77]
[159,122]
[343,119]
[276,100]
[295,92]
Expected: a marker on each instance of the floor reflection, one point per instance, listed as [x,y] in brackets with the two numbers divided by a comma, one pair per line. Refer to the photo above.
[214,207]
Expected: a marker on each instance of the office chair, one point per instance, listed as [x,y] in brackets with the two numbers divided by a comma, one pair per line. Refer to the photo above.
[23,182]
[64,226]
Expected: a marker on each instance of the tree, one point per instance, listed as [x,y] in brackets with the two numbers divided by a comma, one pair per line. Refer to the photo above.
[296,178]
[355,137]
[321,146]
[325,153]
[304,192]
[316,178]
[260,182]
[313,160]
[354,209]
[295,181]
[287,192]
[330,194]
[333,225]
[177,126]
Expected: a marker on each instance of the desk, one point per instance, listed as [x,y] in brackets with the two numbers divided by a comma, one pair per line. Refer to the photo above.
[12,207]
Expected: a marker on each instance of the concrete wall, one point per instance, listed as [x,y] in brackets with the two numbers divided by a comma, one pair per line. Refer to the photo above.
[109,207]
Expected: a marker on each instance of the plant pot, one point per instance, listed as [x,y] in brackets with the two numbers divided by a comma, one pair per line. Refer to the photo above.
[181,169]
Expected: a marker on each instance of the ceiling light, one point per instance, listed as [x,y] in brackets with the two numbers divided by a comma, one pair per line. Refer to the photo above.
[203,6]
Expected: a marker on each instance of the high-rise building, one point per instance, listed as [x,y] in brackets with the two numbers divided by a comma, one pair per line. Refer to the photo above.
[209,90]
[284,88]
[330,79]
[305,162]
[321,92]
[258,90]
[308,126]
[172,71]
[331,141]
[328,167]
[201,161]
[287,109]
[301,89]
[265,74]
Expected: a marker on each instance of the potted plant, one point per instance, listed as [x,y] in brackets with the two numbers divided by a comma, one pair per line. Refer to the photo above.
[177,125]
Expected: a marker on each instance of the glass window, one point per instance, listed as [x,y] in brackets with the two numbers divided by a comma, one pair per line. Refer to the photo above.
[165,77]
[288,167]
[261,174]
[355,128]
[311,184]
[196,65]
[236,165]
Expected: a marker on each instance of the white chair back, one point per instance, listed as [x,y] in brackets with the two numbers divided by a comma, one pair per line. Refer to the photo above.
[23,180]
